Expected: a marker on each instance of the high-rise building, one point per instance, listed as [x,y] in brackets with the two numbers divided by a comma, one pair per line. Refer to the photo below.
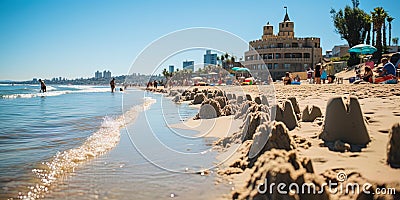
[171,69]
[282,53]
[106,74]
[210,58]
[188,65]
[98,74]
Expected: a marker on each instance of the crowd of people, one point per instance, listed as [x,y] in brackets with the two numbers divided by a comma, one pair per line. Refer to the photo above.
[318,75]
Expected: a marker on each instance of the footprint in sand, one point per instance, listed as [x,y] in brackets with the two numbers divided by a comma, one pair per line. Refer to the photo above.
[384,131]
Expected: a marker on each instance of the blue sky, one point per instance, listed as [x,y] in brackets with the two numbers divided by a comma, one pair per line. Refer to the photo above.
[74,38]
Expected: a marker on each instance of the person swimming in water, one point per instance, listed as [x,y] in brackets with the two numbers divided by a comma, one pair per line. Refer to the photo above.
[42,86]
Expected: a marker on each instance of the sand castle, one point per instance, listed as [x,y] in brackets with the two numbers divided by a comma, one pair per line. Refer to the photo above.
[286,115]
[279,166]
[393,152]
[309,115]
[344,121]
[270,135]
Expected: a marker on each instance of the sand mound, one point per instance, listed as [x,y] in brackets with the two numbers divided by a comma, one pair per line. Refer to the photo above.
[253,120]
[229,109]
[218,93]
[286,115]
[173,93]
[393,152]
[280,167]
[248,97]
[257,100]
[295,104]
[244,108]
[176,99]
[240,99]
[344,121]
[209,109]
[221,101]
[199,98]
[264,100]
[309,115]
[270,135]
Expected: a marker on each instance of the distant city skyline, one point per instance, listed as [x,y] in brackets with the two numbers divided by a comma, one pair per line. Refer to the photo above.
[71,38]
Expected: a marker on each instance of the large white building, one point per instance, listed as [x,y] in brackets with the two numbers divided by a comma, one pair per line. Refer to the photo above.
[282,53]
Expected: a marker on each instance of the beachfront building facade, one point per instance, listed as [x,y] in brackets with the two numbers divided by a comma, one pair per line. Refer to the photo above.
[340,50]
[171,69]
[281,53]
[210,58]
[188,65]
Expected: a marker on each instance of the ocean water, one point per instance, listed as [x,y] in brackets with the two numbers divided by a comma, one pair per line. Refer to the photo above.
[83,142]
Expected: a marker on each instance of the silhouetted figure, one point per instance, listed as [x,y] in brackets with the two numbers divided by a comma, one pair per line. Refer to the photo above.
[42,86]
[155,84]
[112,84]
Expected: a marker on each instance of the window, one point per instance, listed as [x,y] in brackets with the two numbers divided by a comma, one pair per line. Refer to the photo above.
[269,65]
[283,25]
[287,45]
[276,65]
[280,45]
[306,55]
[277,55]
[287,66]
[270,56]
[295,44]
[287,24]
[316,45]
[288,55]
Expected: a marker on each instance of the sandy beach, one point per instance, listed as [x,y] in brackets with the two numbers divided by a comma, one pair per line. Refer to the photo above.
[330,133]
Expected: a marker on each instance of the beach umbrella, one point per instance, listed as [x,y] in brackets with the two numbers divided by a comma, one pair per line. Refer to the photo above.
[197,78]
[235,68]
[362,49]
[242,69]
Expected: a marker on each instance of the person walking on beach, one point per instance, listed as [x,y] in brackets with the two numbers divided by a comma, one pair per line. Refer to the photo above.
[112,84]
[317,73]
[42,86]
[155,84]
[309,75]
[324,75]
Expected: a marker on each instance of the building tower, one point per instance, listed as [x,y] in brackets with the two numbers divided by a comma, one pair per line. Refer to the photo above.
[286,28]
[268,31]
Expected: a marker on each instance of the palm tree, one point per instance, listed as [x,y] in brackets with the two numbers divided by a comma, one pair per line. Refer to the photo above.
[368,22]
[384,35]
[396,42]
[389,19]
[378,18]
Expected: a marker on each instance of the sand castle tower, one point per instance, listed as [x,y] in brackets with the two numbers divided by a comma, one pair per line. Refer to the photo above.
[344,121]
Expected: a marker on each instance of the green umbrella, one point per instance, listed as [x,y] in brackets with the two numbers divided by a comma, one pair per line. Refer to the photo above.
[235,68]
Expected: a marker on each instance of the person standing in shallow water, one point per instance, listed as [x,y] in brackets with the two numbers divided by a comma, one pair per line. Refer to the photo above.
[42,86]
[112,84]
